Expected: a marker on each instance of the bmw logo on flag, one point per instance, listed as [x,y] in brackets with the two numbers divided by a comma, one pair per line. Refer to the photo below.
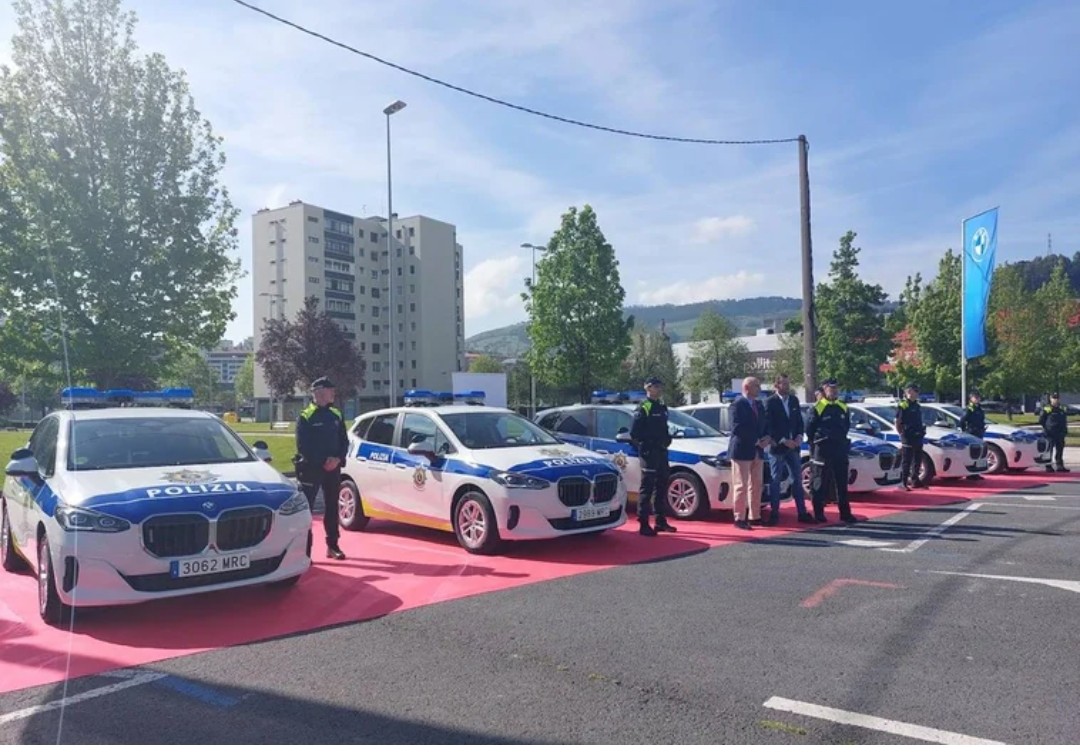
[980,242]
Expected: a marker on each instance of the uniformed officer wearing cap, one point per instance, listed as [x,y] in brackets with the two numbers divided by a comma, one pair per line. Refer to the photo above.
[912,430]
[830,422]
[650,435]
[1055,423]
[974,419]
[321,447]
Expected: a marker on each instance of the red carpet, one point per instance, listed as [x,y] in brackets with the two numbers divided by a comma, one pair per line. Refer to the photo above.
[390,568]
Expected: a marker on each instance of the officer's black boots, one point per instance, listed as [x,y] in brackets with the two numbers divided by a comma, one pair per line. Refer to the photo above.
[646,530]
[663,526]
[332,551]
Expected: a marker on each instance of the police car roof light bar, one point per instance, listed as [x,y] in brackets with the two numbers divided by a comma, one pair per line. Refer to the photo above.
[79,397]
[471,398]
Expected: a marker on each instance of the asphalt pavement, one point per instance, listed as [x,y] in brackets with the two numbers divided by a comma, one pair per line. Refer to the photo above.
[952,624]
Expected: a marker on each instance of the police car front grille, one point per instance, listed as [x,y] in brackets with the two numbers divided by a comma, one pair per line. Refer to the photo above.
[165,582]
[975,451]
[176,534]
[574,491]
[887,461]
[243,528]
[604,487]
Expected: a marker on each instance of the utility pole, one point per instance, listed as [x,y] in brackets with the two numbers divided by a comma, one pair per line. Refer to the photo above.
[810,380]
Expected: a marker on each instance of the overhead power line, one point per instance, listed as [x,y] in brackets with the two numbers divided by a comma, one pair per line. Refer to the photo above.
[504,103]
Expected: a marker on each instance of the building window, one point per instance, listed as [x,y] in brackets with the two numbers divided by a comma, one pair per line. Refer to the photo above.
[412,250]
[414,345]
[412,232]
[401,365]
[363,346]
[398,233]
[412,326]
[375,294]
[412,269]
[412,307]
[414,364]
[375,329]
[374,256]
[374,275]
[313,239]
[312,259]
[414,382]
[374,311]
[412,288]
[375,347]
[401,384]
[312,279]
[400,309]
[312,219]
[339,226]
[377,366]
[399,272]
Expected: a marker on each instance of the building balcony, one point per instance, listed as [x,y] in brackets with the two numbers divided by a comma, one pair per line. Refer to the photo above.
[341,315]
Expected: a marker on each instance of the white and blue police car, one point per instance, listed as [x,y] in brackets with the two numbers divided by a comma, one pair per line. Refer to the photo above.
[947,453]
[447,462]
[123,504]
[1007,447]
[700,473]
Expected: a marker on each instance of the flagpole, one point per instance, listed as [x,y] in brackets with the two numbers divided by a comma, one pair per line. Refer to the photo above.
[963,283]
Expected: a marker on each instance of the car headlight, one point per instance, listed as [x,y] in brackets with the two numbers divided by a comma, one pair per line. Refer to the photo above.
[515,480]
[720,462]
[296,503]
[74,519]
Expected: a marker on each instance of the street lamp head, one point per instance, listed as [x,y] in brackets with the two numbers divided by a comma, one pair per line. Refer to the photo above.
[394,107]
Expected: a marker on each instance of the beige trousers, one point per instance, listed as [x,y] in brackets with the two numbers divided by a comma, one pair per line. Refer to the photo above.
[747,479]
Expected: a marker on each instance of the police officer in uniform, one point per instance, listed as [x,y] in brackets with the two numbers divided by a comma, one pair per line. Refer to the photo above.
[829,444]
[912,429]
[974,420]
[649,434]
[321,447]
[1055,423]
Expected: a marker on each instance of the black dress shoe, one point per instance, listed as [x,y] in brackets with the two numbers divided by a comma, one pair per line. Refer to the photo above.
[333,552]
[646,531]
[1062,469]
[754,522]
[806,518]
[849,519]
[665,527]
[742,524]
[820,518]
[1049,468]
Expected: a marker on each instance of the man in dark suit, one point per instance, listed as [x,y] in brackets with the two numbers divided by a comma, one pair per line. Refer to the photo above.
[748,438]
[784,424]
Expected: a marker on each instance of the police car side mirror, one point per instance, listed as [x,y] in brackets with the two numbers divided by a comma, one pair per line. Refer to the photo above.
[262,451]
[865,428]
[623,437]
[422,448]
[942,423]
[23,464]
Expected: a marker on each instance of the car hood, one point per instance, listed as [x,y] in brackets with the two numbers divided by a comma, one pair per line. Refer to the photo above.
[870,444]
[209,489]
[1015,434]
[682,449]
[550,462]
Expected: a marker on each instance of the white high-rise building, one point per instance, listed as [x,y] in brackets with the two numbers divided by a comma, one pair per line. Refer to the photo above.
[302,250]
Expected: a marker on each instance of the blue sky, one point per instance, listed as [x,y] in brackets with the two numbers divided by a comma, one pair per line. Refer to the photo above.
[918,114]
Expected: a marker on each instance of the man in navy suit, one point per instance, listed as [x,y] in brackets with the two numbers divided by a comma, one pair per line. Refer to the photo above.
[784,423]
[748,438]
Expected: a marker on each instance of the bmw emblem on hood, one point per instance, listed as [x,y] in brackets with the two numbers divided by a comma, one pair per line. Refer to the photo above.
[208,505]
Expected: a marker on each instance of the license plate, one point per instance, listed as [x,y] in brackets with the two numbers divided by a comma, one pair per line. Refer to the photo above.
[197,567]
[893,474]
[586,513]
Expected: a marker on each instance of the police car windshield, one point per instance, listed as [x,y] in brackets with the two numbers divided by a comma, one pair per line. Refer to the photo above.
[496,430]
[684,426]
[887,413]
[133,442]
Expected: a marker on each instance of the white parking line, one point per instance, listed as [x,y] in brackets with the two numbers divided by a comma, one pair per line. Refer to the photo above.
[144,677]
[913,546]
[867,543]
[1030,505]
[910,731]
[1064,584]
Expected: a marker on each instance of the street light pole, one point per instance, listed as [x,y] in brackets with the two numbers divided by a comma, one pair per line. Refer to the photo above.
[532,286]
[389,110]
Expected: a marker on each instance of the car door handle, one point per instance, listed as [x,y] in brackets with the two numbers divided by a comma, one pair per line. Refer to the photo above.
[401,466]
[604,453]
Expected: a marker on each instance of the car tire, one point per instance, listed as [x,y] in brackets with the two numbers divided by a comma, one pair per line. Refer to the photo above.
[997,462]
[52,610]
[351,508]
[806,478]
[11,560]
[927,471]
[474,523]
[686,496]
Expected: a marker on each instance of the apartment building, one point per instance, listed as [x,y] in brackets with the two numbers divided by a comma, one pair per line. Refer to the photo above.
[227,360]
[407,293]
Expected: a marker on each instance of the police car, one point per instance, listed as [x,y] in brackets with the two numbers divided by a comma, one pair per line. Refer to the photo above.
[947,453]
[872,462]
[1007,447]
[700,473]
[488,475]
[114,505]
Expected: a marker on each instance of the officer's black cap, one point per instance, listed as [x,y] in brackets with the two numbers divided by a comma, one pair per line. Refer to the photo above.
[653,381]
[976,394]
[1055,395]
[830,381]
[323,382]
[911,387]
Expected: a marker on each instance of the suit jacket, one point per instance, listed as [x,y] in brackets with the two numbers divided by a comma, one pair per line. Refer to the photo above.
[781,425]
[746,430]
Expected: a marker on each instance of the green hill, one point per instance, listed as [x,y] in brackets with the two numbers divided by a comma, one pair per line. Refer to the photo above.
[746,314]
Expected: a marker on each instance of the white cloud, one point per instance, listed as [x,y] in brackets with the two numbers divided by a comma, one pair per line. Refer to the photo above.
[712,229]
[735,286]
[495,286]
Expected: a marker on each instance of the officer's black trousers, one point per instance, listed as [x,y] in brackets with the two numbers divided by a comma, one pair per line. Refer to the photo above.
[830,467]
[1057,447]
[911,459]
[330,483]
[653,495]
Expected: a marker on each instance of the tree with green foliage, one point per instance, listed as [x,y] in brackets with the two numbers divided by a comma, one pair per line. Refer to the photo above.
[935,324]
[717,356]
[1018,360]
[118,234]
[905,362]
[485,363]
[651,355]
[245,381]
[8,399]
[191,370]
[576,328]
[1061,332]
[851,343]
[789,359]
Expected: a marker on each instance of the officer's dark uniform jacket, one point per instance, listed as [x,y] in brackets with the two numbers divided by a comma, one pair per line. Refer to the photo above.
[828,429]
[974,420]
[909,422]
[1054,421]
[649,432]
[320,435]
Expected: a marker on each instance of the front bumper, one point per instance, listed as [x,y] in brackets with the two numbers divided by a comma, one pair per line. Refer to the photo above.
[540,515]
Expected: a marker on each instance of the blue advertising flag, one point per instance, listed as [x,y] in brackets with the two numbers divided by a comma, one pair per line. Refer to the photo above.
[980,248]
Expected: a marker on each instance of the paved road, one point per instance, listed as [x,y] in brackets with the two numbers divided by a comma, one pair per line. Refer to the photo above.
[903,630]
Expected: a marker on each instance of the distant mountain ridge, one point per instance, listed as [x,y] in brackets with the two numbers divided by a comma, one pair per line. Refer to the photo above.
[679,319]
